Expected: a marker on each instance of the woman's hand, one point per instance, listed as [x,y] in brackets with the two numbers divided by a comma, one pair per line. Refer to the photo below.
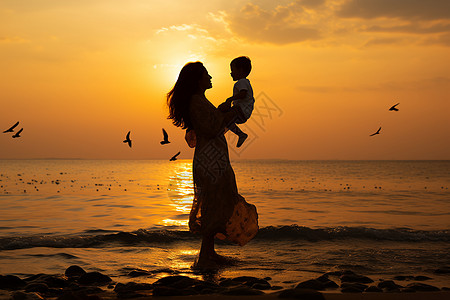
[224,107]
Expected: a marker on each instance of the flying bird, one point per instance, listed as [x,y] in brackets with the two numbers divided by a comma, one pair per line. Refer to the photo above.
[127,140]
[394,108]
[166,138]
[17,134]
[378,132]
[175,156]
[12,128]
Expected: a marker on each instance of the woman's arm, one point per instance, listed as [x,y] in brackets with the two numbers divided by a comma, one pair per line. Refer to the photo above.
[209,121]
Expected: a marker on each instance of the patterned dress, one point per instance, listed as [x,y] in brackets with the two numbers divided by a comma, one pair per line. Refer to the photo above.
[218,209]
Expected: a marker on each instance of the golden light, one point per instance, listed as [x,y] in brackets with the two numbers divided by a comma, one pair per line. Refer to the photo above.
[180,193]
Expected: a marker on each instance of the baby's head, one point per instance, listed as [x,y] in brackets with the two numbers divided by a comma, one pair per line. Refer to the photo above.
[240,67]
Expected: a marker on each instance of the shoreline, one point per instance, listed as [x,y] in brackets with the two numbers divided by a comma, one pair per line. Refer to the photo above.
[77,284]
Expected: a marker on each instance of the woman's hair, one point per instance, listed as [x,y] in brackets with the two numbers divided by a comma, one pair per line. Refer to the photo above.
[179,97]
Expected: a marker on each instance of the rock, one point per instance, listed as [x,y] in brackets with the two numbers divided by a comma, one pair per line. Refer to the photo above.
[276,287]
[312,284]
[25,296]
[442,270]
[353,287]
[340,273]
[303,294]
[389,285]
[408,290]
[355,278]
[52,281]
[74,272]
[247,280]
[373,289]
[242,291]
[421,278]
[403,277]
[159,291]
[139,273]
[39,287]
[94,278]
[228,282]
[11,282]
[422,287]
[71,295]
[261,286]
[132,287]
[176,281]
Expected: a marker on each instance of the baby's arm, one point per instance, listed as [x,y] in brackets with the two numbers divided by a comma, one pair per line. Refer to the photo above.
[241,95]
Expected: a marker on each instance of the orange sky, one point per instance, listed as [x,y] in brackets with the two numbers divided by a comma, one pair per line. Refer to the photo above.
[79,74]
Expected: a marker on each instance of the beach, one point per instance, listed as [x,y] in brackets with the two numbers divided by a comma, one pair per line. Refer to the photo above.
[384,220]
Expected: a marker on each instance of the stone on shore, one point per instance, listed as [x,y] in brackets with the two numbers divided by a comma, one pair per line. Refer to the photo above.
[74,272]
[242,291]
[303,294]
[94,278]
[353,287]
[373,289]
[355,278]
[389,286]
[422,287]
[11,282]
[26,296]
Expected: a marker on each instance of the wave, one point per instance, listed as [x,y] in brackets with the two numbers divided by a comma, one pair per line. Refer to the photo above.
[149,237]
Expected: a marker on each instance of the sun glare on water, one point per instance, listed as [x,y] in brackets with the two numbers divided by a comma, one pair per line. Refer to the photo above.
[180,194]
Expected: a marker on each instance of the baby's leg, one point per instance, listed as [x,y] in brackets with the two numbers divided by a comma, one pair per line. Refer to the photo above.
[242,135]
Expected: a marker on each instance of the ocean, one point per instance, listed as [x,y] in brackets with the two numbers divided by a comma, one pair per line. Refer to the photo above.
[377,218]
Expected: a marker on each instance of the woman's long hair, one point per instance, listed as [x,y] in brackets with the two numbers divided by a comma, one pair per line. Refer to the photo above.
[179,97]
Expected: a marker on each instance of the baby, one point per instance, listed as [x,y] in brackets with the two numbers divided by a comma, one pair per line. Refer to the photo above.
[242,98]
[242,94]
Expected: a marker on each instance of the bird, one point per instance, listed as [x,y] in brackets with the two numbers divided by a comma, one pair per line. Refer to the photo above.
[394,108]
[175,156]
[12,128]
[166,138]
[378,132]
[127,140]
[17,134]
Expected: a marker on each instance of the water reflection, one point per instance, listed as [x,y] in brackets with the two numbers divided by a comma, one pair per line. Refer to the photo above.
[180,192]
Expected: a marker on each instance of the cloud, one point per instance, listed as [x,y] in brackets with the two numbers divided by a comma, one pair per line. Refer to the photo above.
[403,9]
[412,28]
[281,25]
[12,40]
[426,83]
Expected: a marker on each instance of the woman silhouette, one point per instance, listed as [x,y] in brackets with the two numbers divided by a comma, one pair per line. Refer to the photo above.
[217,210]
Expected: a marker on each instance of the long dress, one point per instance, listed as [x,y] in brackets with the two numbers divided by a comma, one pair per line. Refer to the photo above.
[218,209]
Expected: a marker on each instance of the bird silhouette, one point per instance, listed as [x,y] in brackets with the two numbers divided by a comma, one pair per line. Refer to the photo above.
[394,108]
[17,134]
[166,138]
[175,156]
[378,132]
[127,140]
[12,128]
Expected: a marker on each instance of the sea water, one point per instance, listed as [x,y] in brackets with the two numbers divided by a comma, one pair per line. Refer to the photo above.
[377,218]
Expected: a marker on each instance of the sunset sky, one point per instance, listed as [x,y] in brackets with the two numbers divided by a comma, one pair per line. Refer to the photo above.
[80,74]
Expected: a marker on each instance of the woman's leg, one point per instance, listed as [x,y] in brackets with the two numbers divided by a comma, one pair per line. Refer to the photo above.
[207,249]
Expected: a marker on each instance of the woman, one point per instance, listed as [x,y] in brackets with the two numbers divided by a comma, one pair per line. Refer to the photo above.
[218,210]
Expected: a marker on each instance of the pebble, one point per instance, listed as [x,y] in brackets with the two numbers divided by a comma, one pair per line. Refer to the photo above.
[11,282]
[77,284]
[422,287]
[303,294]
[355,278]
[74,272]
[94,278]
